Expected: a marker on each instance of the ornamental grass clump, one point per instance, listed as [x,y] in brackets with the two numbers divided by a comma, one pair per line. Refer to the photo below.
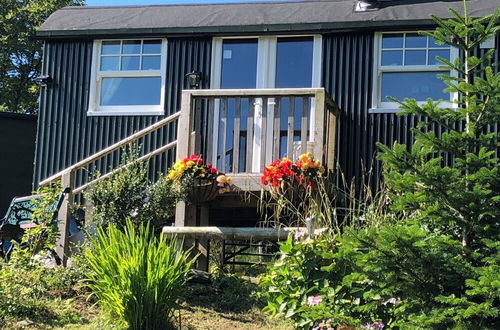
[136,276]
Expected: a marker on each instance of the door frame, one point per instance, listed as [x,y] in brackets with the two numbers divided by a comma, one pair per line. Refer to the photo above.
[266,75]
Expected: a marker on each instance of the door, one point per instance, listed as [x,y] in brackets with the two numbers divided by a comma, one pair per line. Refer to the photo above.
[263,62]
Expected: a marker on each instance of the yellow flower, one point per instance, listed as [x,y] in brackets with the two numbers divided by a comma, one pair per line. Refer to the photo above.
[190,163]
[322,169]
[229,180]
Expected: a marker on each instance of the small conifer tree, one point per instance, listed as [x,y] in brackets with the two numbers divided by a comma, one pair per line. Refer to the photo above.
[448,184]
[462,197]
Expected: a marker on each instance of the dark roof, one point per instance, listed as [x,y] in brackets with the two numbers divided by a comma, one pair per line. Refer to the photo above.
[249,17]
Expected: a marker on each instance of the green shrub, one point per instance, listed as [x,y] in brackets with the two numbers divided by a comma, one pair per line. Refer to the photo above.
[136,276]
[129,194]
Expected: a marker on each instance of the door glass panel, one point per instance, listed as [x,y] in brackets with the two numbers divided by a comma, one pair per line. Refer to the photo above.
[239,70]
[294,59]
[239,63]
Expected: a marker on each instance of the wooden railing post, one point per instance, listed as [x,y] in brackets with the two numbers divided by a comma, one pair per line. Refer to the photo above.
[64,216]
[319,123]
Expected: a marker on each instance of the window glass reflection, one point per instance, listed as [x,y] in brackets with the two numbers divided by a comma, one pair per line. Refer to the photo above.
[130,91]
[417,85]
[294,59]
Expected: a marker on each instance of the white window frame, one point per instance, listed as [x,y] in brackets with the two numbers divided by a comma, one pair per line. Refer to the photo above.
[125,110]
[380,106]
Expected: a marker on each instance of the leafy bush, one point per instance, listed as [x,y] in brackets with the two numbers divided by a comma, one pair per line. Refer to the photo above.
[135,276]
[128,193]
[312,283]
[31,290]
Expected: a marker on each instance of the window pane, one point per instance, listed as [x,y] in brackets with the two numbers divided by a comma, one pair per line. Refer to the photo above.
[415,57]
[110,47]
[392,57]
[392,41]
[131,47]
[444,53]
[151,47]
[294,62]
[433,44]
[110,63]
[130,91]
[417,85]
[239,63]
[151,63]
[130,62]
[413,40]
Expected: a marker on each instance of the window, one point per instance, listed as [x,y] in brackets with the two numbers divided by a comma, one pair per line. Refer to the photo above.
[406,67]
[128,77]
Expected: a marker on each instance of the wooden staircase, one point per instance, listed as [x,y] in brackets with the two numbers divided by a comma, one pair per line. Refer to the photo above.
[214,123]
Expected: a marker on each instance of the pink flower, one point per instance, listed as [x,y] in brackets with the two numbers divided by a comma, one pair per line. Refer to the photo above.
[374,325]
[314,300]
[298,235]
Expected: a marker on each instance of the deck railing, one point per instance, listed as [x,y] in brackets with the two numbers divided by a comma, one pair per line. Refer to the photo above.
[239,130]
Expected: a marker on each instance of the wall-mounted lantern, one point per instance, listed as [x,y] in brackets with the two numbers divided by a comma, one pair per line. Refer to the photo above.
[194,79]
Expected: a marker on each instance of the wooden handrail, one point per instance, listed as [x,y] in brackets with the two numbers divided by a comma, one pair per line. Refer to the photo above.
[261,92]
[158,151]
[112,148]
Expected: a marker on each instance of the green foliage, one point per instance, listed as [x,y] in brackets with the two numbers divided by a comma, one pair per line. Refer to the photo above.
[20,52]
[41,238]
[128,193]
[447,188]
[136,277]
[310,268]
[30,290]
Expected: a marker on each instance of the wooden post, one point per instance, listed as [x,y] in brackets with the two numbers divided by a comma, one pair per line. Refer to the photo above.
[64,216]
[319,122]
[203,245]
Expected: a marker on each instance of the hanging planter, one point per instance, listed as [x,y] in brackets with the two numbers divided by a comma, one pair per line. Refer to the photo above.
[202,191]
[201,182]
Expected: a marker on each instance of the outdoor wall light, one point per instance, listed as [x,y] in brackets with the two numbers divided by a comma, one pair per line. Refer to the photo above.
[44,80]
[194,79]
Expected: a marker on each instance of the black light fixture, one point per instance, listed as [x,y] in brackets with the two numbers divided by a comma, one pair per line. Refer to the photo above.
[44,80]
[194,79]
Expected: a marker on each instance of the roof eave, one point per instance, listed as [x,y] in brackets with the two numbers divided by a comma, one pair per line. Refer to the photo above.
[234,30]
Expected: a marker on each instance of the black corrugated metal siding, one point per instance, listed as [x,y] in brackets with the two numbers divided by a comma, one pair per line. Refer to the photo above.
[67,135]
[347,77]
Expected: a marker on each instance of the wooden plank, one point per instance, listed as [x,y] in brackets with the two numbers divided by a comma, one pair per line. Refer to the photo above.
[203,244]
[331,149]
[256,93]
[291,114]
[235,233]
[64,216]
[263,135]
[303,125]
[197,120]
[276,128]
[319,120]
[210,132]
[236,135]
[155,152]
[113,147]
[223,128]
[250,123]
[230,233]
